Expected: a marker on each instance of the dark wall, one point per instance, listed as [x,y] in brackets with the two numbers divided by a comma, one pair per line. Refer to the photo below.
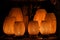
[58,17]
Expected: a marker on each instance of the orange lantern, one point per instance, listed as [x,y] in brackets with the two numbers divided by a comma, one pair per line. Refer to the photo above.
[8,25]
[19,28]
[40,16]
[52,18]
[16,12]
[45,28]
[33,28]
[49,27]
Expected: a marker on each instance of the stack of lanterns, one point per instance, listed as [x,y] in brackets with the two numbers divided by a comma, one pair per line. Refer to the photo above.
[46,21]
[43,22]
[13,23]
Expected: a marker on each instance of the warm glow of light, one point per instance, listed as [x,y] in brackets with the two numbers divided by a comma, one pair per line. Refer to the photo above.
[8,25]
[19,28]
[49,26]
[46,28]
[40,16]
[33,28]
[16,12]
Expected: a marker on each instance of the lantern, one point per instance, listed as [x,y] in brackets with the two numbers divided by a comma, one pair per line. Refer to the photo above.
[49,26]
[40,16]
[33,28]
[52,18]
[8,25]
[16,12]
[45,28]
[19,28]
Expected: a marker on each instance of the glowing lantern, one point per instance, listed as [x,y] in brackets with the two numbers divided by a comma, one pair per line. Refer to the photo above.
[40,16]
[45,28]
[19,28]
[49,26]
[8,25]
[33,28]
[52,18]
[16,12]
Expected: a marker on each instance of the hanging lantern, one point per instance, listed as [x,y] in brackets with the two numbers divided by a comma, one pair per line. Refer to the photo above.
[8,25]
[49,26]
[19,28]
[33,28]
[40,16]
[16,12]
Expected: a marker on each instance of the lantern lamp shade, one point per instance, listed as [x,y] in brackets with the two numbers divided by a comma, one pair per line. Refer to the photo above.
[40,16]
[8,25]
[19,28]
[16,12]
[49,26]
[45,28]
[33,28]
